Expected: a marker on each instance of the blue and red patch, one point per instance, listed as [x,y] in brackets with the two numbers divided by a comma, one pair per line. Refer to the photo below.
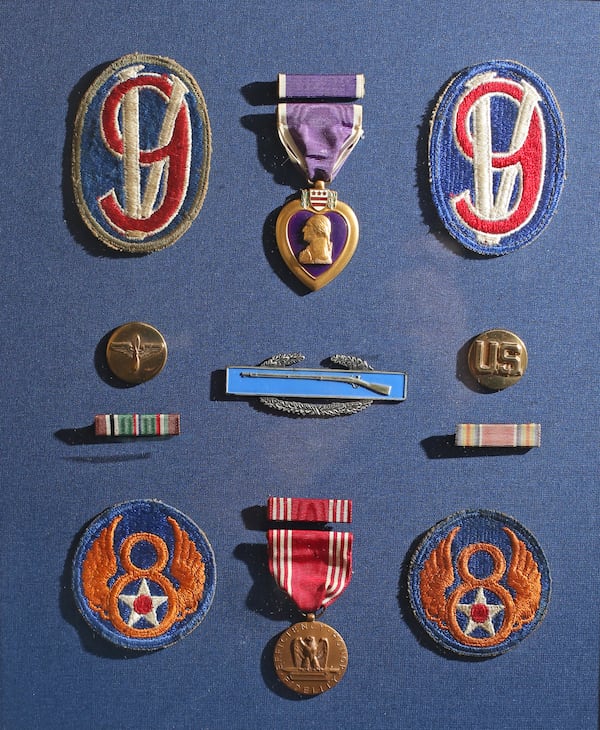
[479,583]
[496,156]
[143,575]
[141,153]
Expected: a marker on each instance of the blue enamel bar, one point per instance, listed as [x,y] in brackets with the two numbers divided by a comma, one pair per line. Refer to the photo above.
[316,383]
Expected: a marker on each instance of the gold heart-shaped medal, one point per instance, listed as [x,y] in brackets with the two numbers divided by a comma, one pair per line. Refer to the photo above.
[316,236]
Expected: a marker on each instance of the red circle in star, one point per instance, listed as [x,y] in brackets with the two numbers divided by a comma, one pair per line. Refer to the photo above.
[142,605]
[479,613]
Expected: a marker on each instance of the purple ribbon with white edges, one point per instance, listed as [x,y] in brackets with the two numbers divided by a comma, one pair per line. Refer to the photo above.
[319,137]
[321,86]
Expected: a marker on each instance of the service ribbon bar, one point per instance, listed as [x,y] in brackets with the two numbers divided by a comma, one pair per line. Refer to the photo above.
[498,434]
[314,568]
[282,509]
[321,86]
[136,424]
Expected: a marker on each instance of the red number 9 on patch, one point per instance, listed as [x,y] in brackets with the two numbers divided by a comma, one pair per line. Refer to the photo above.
[141,153]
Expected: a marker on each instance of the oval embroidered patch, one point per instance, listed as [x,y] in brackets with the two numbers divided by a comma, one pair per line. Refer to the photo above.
[141,153]
[143,575]
[496,156]
[479,583]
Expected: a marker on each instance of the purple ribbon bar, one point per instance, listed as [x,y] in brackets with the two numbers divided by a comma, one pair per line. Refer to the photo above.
[321,86]
[319,137]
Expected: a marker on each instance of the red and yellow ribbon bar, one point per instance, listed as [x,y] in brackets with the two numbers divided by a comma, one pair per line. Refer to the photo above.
[498,434]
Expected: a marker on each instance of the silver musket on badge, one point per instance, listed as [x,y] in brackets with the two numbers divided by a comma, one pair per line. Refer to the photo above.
[348,386]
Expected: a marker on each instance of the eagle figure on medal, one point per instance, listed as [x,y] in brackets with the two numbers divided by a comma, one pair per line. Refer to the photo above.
[314,568]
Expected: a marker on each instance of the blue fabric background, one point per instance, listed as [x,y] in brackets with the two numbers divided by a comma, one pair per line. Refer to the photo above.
[411,299]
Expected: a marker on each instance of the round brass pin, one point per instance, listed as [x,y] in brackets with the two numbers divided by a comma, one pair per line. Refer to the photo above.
[310,657]
[136,352]
[497,358]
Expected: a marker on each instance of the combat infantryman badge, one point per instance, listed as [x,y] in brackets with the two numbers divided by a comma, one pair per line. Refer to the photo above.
[314,568]
[143,575]
[479,583]
[356,386]
[496,156]
[317,235]
[141,153]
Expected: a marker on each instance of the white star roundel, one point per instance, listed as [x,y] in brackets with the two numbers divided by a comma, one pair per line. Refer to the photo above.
[143,605]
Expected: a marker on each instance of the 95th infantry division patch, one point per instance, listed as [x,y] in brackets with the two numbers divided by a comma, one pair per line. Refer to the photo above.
[143,575]
[479,583]
[496,156]
[141,153]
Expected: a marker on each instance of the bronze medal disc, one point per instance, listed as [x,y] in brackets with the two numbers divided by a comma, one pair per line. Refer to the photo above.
[310,657]
[497,359]
[136,352]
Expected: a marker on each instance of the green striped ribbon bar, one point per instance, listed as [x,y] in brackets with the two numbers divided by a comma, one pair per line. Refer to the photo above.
[137,424]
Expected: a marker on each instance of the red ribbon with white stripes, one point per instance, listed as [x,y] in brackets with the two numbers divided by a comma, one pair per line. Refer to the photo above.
[309,510]
[313,567]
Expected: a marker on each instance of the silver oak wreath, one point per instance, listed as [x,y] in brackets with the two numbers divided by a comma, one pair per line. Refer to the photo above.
[323,410]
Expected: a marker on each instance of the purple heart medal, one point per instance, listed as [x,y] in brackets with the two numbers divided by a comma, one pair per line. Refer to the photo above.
[317,235]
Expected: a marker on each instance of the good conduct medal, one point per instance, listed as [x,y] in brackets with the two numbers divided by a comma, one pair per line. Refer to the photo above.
[317,235]
[314,568]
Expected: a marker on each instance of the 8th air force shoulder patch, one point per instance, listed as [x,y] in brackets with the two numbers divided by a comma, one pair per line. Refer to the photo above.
[141,153]
[479,583]
[496,156]
[143,575]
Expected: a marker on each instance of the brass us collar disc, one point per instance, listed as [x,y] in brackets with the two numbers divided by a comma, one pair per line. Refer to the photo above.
[497,358]
[136,352]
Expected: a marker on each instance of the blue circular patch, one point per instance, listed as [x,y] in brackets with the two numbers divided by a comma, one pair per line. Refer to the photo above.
[141,153]
[496,156]
[143,575]
[479,583]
